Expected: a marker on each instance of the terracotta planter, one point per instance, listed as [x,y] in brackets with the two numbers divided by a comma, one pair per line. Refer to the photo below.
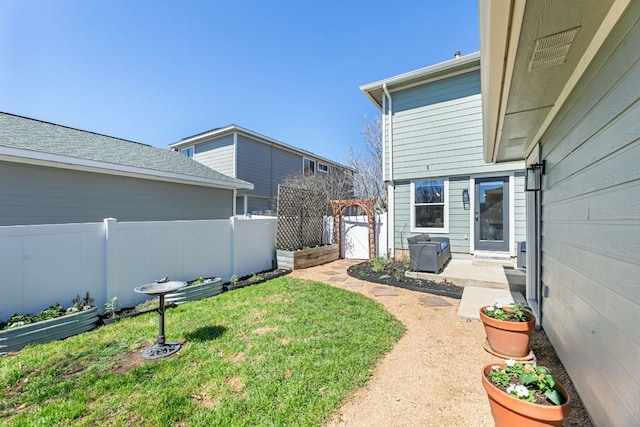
[509,411]
[508,340]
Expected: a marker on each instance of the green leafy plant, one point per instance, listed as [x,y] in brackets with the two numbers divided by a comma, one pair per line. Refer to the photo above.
[111,306]
[255,278]
[514,312]
[234,280]
[526,381]
[82,303]
[379,264]
[53,311]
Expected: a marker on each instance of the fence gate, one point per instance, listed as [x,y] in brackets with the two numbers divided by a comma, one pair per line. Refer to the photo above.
[339,207]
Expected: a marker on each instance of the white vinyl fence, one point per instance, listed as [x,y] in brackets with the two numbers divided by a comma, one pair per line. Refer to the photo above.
[44,264]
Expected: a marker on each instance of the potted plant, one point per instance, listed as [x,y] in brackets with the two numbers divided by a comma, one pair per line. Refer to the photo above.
[508,329]
[524,394]
[195,290]
[53,323]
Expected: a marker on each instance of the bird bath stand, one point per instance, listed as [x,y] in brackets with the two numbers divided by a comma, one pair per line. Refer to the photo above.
[160,289]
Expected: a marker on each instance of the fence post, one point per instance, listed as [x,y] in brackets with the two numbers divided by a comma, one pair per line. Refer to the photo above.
[232,249]
[111,259]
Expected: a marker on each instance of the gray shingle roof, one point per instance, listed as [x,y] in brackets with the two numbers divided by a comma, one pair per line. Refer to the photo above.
[42,137]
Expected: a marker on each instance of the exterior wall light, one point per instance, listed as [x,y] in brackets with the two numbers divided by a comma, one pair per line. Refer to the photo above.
[533,180]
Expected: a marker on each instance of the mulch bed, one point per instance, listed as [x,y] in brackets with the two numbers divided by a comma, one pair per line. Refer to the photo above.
[393,275]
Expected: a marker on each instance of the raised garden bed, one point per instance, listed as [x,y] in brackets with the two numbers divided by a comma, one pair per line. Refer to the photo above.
[205,288]
[43,331]
[305,258]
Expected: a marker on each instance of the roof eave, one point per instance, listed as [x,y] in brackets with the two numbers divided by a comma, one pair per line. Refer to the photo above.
[500,25]
[216,133]
[440,70]
[65,162]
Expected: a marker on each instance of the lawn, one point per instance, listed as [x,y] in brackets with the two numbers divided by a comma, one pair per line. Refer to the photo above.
[283,353]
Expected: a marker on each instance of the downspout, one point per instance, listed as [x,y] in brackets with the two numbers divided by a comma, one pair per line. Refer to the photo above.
[391,187]
[386,92]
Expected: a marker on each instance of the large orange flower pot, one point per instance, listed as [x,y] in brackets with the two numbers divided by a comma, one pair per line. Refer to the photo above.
[508,339]
[509,411]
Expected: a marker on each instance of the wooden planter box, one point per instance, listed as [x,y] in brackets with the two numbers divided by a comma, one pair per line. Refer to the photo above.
[48,330]
[207,289]
[305,258]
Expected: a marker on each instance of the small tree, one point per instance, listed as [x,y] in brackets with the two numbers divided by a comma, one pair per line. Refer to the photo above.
[367,182]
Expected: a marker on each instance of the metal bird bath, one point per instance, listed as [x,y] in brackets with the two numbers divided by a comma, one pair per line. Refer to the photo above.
[160,289]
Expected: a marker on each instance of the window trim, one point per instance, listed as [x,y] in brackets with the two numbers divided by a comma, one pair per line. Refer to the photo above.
[322,167]
[306,159]
[191,148]
[412,206]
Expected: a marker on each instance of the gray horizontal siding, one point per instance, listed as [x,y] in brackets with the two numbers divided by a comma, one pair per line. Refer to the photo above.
[265,165]
[458,217]
[45,195]
[218,154]
[437,129]
[402,218]
[591,230]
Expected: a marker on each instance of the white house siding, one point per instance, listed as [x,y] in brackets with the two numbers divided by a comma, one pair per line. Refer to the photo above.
[218,154]
[591,230]
[520,209]
[32,194]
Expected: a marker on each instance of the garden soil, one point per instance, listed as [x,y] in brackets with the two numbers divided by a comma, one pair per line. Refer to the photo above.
[432,375]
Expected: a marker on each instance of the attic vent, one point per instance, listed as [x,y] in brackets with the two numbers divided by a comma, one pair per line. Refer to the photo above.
[552,50]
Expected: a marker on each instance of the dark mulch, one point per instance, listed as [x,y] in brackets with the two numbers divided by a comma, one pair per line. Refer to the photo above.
[393,275]
[546,356]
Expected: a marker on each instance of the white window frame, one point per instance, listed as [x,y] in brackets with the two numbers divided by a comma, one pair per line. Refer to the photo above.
[321,167]
[412,208]
[185,151]
[315,165]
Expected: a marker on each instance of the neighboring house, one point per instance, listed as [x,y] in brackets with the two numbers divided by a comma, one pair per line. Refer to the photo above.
[247,155]
[561,86]
[437,181]
[53,174]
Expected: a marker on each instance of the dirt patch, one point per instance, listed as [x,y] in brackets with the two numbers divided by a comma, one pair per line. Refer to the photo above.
[264,330]
[128,361]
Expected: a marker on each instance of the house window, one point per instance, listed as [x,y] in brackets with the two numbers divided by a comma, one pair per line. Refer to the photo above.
[430,206]
[309,167]
[323,168]
[187,151]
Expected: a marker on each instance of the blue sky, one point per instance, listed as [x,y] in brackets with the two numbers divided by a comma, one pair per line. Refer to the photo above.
[158,71]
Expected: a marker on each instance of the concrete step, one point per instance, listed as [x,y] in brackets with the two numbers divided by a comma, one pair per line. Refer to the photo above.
[492,259]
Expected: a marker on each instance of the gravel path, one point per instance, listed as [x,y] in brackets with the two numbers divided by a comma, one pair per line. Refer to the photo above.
[431,377]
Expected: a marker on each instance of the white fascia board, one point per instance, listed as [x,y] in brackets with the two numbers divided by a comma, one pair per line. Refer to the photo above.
[500,26]
[15,155]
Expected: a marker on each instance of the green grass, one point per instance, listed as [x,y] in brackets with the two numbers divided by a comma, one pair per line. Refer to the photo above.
[283,353]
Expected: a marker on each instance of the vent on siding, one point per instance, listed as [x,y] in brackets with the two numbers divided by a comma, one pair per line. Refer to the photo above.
[552,50]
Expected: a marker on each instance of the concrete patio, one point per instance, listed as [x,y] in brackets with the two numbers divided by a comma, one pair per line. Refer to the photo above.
[486,279]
